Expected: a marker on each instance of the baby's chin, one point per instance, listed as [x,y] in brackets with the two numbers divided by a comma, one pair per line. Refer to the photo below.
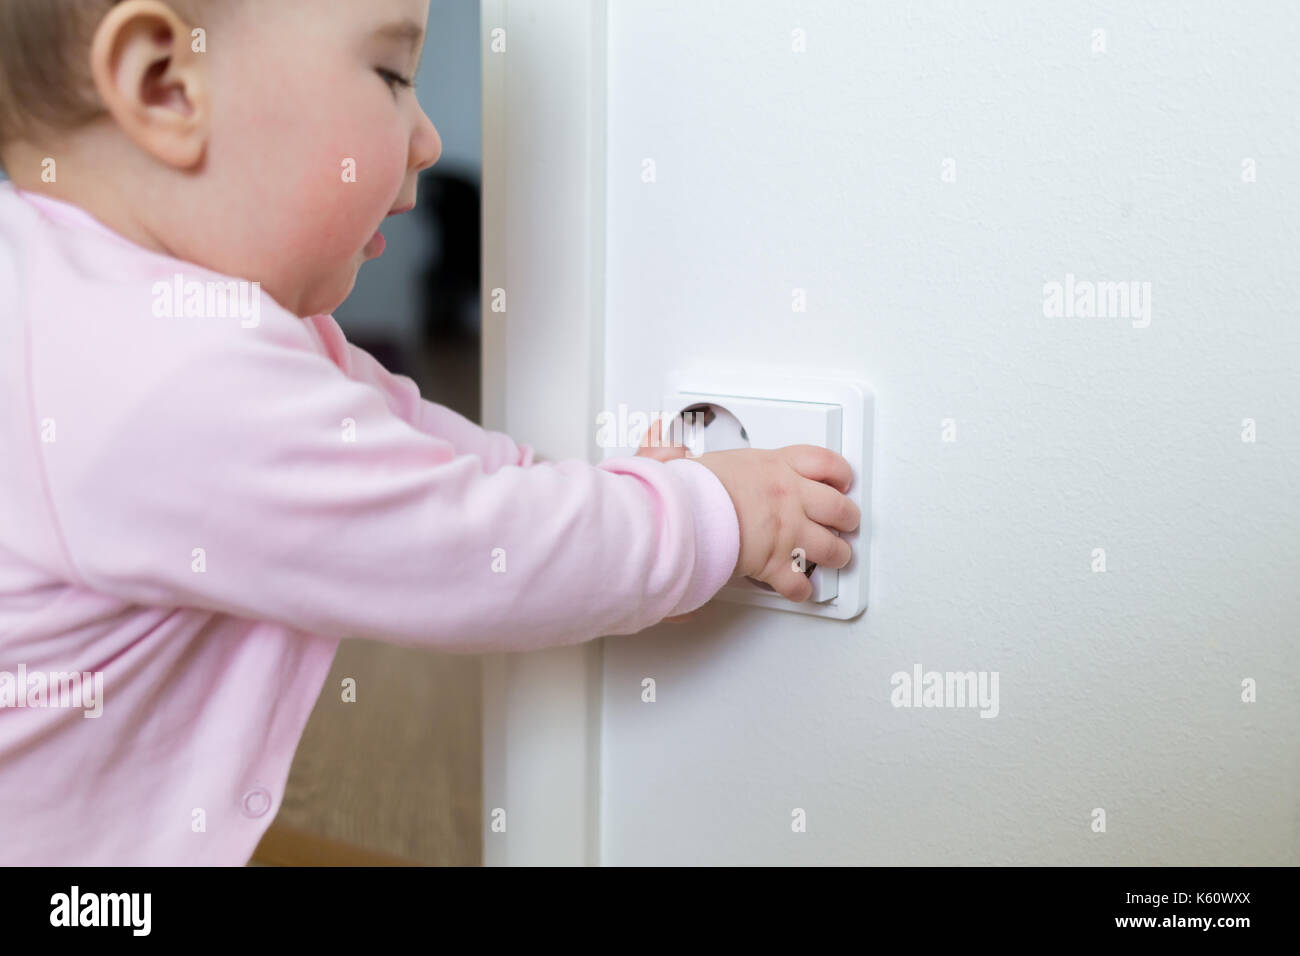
[323,296]
[323,292]
[327,303]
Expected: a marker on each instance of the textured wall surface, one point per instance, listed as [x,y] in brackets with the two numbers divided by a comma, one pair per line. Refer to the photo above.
[923,173]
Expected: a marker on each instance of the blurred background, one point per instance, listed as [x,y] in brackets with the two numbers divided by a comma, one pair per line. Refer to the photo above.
[396,776]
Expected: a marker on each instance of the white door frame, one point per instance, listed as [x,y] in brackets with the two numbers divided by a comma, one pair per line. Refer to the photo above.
[543,382]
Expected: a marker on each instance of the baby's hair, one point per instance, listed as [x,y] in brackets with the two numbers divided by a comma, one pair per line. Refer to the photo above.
[45,78]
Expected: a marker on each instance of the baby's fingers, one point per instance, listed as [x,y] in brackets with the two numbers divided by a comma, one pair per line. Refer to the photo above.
[823,547]
[782,576]
[826,506]
[654,445]
[820,464]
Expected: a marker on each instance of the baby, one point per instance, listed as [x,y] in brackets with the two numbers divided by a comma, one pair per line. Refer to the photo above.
[198,501]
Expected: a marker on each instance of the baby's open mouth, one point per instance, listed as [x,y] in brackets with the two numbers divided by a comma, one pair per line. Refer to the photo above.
[375,247]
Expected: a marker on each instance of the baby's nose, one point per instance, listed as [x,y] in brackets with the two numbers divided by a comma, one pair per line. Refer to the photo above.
[426,144]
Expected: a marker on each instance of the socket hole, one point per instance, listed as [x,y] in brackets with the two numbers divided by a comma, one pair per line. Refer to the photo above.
[707,409]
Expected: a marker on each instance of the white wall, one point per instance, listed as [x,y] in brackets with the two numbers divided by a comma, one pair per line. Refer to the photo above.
[822,170]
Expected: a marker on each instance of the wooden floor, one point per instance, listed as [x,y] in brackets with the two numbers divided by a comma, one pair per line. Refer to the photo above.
[396,777]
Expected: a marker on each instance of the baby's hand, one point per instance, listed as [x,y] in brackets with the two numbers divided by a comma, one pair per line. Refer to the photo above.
[787,498]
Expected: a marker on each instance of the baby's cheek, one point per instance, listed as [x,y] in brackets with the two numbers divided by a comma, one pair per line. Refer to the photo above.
[325,222]
[347,197]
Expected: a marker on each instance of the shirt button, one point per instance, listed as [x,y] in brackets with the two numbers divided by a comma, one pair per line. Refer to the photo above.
[256,802]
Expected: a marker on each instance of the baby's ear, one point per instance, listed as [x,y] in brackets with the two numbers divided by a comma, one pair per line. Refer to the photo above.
[152,80]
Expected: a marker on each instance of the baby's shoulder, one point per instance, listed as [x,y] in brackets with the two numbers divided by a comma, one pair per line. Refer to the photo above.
[63,270]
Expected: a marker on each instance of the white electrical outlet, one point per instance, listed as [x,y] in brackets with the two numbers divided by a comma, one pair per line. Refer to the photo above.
[715,411]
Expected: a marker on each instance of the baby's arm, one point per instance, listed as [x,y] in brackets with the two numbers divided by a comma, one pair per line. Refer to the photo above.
[403,396]
[257,480]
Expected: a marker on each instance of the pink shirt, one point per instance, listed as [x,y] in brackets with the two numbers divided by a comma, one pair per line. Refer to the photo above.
[199,509]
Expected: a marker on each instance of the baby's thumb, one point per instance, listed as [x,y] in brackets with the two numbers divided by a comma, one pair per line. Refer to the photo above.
[653,445]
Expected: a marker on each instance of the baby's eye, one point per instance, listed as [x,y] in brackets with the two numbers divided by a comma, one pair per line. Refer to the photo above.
[394,80]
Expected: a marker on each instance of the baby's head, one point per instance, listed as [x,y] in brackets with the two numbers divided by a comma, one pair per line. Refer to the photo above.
[269,147]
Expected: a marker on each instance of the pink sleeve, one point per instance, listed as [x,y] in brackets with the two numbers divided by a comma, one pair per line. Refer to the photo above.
[261,481]
[403,397]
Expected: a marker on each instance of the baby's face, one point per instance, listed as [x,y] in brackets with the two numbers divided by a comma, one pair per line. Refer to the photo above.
[314,140]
